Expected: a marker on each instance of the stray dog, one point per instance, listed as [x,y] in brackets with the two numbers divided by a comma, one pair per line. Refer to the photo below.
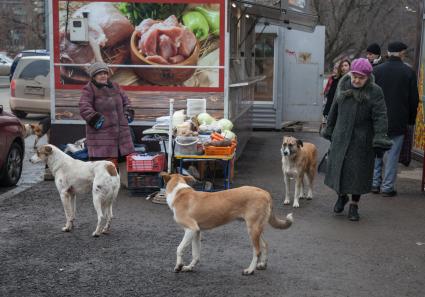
[39,130]
[74,177]
[298,159]
[196,211]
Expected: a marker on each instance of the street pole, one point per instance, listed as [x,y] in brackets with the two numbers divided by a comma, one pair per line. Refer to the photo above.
[46,24]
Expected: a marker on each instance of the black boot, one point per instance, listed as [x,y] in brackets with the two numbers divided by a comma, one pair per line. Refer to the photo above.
[353,214]
[340,203]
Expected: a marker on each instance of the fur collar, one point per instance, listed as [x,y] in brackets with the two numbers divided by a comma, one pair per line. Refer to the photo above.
[361,94]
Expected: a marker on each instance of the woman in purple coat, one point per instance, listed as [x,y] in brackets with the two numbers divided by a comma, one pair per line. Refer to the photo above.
[107,112]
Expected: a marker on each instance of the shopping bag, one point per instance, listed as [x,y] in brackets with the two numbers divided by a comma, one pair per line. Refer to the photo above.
[323,164]
[322,126]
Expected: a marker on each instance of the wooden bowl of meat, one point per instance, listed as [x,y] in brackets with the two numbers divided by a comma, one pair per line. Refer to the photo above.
[161,51]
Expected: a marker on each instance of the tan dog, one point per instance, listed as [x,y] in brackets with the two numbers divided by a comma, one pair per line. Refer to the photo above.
[196,211]
[39,130]
[298,160]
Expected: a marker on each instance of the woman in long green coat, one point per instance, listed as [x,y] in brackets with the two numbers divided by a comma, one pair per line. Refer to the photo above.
[357,128]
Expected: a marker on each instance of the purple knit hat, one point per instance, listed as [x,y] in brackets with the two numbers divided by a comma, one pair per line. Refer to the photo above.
[361,66]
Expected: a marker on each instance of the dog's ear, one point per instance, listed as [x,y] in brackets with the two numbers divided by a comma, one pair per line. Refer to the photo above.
[189,179]
[48,149]
[32,126]
[166,176]
[299,143]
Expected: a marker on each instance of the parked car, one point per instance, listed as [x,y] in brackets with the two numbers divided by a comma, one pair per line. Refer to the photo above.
[5,64]
[12,147]
[30,86]
[26,53]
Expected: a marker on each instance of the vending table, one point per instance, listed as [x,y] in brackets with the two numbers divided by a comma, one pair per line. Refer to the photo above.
[226,160]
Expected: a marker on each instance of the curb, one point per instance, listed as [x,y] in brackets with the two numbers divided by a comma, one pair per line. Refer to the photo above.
[19,189]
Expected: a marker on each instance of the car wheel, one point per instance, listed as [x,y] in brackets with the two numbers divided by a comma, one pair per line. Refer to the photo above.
[12,168]
[20,114]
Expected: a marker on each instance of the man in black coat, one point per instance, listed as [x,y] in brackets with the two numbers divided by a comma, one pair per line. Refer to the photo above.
[399,84]
[373,54]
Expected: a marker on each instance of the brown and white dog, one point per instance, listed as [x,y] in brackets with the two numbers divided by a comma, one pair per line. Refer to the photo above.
[299,159]
[197,211]
[75,177]
[39,130]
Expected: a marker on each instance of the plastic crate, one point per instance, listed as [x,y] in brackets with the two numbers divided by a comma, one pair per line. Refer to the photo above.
[220,150]
[146,163]
[143,183]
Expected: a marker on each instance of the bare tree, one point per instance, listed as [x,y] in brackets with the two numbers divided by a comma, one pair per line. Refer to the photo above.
[23,26]
[353,24]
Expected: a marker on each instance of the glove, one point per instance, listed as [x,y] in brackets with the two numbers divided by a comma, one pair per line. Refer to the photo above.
[379,152]
[96,120]
[129,114]
[99,122]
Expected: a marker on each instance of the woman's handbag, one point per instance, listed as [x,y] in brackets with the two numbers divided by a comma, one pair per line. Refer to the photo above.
[322,126]
[323,163]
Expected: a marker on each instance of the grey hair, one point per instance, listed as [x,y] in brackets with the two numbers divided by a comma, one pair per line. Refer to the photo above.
[394,54]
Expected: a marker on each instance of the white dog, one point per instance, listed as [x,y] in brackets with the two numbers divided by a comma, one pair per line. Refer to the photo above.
[299,159]
[74,176]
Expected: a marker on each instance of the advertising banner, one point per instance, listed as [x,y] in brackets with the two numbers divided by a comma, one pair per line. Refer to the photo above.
[155,50]
[419,139]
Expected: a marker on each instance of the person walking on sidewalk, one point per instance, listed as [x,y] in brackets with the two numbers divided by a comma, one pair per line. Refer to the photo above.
[107,112]
[357,129]
[373,54]
[343,68]
[399,84]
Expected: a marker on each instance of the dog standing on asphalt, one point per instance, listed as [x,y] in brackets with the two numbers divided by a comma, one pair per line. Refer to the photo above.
[196,211]
[39,130]
[299,159]
[76,177]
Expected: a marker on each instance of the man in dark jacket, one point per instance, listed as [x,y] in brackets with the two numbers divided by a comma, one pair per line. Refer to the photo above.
[373,54]
[399,84]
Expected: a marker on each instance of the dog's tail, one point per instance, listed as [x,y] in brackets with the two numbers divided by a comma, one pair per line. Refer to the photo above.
[281,224]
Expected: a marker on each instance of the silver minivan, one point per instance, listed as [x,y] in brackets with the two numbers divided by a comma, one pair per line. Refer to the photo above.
[30,86]
[5,64]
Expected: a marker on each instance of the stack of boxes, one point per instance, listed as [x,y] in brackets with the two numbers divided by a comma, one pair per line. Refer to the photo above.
[143,172]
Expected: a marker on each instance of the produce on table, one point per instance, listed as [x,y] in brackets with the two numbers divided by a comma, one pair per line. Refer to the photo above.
[228,134]
[197,23]
[207,129]
[221,143]
[212,17]
[216,136]
[165,42]
[178,118]
[225,124]
[205,119]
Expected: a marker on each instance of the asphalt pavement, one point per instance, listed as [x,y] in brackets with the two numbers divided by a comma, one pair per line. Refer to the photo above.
[321,255]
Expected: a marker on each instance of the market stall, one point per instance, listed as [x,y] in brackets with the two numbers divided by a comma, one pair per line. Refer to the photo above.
[187,50]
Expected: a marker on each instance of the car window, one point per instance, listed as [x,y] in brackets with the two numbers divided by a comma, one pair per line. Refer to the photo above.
[35,68]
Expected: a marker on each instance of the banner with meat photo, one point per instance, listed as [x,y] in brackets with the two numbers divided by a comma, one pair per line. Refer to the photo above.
[155,50]
[148,45]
